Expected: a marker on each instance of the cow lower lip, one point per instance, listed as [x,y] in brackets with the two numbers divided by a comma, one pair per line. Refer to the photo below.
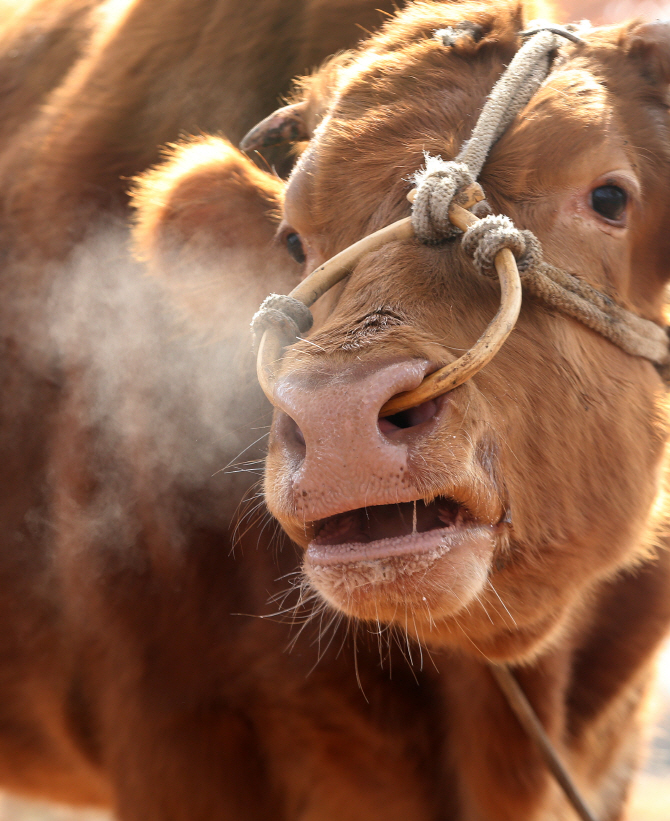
[381,531]
[414,543]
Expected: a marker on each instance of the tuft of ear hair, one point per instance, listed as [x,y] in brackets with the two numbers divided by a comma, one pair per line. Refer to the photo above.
[455,35]
[650,43]
[285,125]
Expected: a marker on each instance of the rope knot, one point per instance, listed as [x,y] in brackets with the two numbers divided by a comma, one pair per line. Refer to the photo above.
[437,185]
[490,235]
[290,315]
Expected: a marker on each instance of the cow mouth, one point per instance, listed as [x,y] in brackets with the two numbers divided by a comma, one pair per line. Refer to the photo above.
[382,531]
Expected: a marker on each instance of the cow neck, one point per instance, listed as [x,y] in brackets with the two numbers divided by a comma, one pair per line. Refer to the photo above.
[527,717]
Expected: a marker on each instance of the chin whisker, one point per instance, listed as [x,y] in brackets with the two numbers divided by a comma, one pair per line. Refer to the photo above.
[502,603]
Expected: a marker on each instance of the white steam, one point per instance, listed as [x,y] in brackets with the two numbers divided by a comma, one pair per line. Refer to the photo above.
[176,405]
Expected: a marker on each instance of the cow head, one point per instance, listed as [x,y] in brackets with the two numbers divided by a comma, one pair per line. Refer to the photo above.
[483,518]
[480,519]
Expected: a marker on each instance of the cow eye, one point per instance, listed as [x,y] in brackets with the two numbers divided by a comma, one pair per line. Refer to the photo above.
[295,247]
[609,201]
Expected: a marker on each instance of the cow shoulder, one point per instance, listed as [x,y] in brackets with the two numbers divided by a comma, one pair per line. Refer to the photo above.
[39,43]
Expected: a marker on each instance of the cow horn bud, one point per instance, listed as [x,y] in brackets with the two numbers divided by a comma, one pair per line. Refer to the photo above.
[285,125]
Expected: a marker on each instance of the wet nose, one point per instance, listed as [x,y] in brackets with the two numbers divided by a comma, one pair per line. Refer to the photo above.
[337,450]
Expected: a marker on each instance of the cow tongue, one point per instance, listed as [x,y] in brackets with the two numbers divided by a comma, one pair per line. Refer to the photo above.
[378,522]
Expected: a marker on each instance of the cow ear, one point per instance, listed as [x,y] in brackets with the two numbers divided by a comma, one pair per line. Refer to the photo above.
[286,125]
[650,43]
[206,194]
[205,226]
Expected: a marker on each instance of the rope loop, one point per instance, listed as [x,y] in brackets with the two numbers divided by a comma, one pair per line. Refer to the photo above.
[438,183]
[491,234]
[283,312]
[437,187]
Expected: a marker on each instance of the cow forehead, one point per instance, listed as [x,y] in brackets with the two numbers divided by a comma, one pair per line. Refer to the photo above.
[573,93]
[383,118]
[598,117]
[569,134]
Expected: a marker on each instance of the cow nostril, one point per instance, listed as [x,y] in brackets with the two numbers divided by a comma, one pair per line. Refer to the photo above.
[289,432]
[298,434]
[409,418]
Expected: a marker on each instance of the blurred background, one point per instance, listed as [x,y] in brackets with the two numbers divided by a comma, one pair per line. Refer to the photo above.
[651,796]
[600,13]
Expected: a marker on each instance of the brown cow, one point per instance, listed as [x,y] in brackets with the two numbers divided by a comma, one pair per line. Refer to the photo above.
[536,487]
[129,677]
[135,672]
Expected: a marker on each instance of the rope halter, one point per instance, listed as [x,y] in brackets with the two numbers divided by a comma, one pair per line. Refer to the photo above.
[444,192]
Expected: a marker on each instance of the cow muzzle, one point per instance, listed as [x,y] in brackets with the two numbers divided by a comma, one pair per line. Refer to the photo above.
[382,529]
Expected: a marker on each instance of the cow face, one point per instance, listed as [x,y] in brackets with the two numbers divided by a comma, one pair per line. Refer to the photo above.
[480,519]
